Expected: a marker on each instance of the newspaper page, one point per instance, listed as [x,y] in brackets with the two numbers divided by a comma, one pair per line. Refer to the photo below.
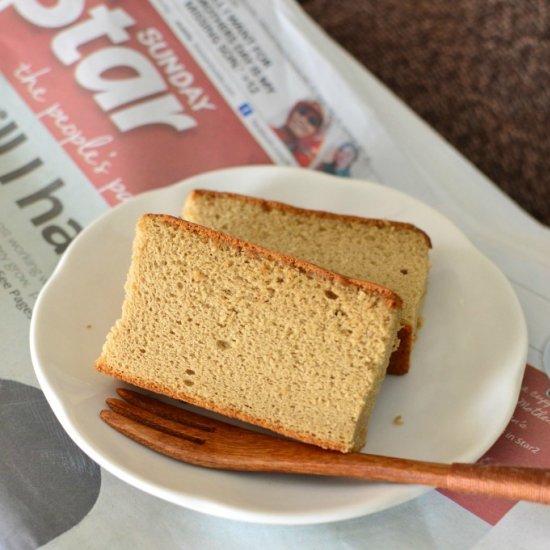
[100,101]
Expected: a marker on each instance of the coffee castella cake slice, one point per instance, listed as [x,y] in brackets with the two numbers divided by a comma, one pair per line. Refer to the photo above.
[251,333]
[390,253]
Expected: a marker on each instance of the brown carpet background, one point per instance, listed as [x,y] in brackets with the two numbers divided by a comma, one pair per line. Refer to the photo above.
[478,71]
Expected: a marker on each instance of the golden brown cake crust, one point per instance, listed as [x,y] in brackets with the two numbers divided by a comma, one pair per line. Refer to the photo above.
[400,358]
[391,298]
[275,205]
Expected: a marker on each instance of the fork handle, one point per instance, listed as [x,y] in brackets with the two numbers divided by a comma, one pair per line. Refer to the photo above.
[510,482]
[514,483]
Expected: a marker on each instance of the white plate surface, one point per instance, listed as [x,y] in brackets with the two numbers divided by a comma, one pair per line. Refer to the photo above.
[463,386]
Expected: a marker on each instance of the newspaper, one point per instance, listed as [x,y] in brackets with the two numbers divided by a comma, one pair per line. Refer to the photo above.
[100,101]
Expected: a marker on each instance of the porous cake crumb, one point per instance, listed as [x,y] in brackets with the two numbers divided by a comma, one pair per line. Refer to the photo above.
[251,333]
[390,253]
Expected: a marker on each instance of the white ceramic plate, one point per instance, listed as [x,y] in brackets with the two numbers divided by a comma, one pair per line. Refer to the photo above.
[461,392]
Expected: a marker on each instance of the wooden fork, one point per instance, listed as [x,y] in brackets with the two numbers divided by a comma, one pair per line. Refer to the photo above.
[196,439]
